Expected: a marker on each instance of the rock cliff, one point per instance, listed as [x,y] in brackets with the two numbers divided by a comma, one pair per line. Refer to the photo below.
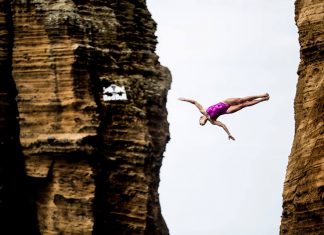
[303,196]
[73,162]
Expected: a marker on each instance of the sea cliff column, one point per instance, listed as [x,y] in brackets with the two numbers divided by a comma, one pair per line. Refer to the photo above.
[303,196]
[93,162]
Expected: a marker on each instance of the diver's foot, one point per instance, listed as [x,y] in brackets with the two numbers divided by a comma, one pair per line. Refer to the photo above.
[265,95]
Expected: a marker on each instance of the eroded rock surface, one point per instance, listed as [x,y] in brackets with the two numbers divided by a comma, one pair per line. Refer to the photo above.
[303,205]
[89,166]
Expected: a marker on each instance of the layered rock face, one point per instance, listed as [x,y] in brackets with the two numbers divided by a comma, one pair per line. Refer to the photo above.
[303,205]
[87,165]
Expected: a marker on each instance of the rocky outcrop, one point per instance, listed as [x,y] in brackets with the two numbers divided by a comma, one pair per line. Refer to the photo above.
[303,196]
[88,165]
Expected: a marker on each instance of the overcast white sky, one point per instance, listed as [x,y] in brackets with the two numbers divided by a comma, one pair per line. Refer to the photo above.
[217,49]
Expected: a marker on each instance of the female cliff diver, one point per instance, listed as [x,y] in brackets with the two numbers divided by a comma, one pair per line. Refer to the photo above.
[230,105]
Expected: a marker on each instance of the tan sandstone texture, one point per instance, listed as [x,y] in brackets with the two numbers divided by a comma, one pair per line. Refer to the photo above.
[72,162]
[303,196]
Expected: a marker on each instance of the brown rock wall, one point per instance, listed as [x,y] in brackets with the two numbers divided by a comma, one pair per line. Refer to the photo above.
[303,205]
[91,166]
[17,211]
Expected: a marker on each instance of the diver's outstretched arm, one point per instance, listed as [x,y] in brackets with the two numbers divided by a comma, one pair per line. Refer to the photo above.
[218,123]
[194,102]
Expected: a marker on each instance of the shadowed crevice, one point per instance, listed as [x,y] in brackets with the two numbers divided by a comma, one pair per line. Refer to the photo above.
[17,205]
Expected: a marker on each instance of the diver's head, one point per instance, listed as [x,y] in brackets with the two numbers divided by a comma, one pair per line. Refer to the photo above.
[203,120]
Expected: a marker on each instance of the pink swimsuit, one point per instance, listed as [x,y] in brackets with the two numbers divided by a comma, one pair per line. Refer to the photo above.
[218,109]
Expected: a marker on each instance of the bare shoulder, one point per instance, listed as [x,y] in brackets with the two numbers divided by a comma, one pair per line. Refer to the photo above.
[216,122]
